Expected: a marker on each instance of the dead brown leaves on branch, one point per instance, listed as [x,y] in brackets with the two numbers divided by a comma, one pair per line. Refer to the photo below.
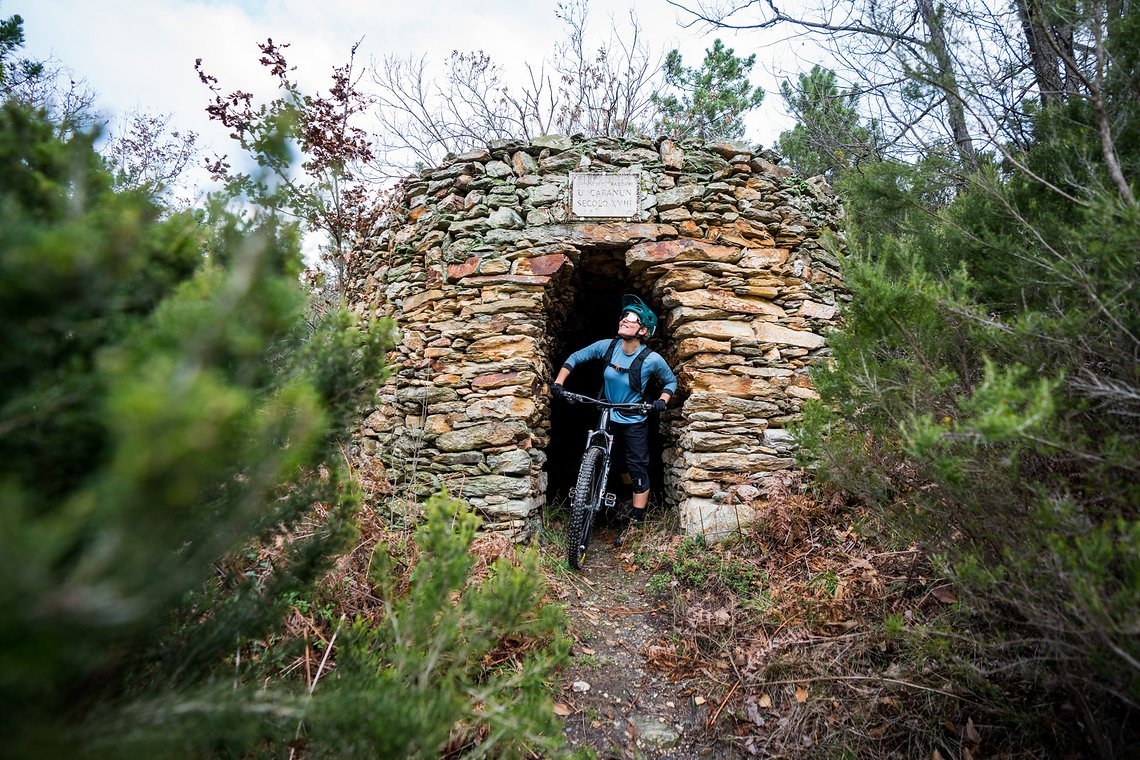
[327,192]
[146,152]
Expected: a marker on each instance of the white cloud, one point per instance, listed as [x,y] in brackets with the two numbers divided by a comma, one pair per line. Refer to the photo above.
[141,54]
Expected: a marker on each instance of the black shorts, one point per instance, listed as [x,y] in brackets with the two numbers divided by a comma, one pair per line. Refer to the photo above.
[633,440]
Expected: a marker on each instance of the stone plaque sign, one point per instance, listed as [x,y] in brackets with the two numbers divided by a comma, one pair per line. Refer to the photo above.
[603,194]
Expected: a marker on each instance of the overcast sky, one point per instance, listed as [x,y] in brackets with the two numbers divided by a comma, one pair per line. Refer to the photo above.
[140,53]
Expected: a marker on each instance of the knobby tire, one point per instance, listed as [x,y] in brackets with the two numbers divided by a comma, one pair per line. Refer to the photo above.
[587,492]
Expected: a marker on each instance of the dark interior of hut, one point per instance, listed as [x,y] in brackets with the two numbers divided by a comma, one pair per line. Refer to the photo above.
[592,310]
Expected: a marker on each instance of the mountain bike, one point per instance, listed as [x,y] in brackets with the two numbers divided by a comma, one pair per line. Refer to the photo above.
[590,496]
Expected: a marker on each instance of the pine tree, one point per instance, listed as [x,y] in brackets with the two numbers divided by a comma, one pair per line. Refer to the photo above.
[828,137]
[712,101]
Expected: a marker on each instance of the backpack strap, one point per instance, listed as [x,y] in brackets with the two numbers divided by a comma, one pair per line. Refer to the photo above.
[606,361]
[635,371]
[634,368]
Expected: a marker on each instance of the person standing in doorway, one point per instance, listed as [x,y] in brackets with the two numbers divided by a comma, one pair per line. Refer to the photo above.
[630,368]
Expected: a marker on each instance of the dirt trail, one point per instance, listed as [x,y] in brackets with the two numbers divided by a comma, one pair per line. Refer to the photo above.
[629,710]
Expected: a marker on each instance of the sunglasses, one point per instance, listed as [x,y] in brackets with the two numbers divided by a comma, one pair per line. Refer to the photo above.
[629,316]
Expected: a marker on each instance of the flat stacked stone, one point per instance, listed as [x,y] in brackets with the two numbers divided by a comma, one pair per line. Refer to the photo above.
[474,264]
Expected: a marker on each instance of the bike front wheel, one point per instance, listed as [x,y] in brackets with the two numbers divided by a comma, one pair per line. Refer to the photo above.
[584,504]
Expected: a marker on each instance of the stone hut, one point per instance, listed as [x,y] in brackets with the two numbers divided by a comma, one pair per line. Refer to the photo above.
[496,266]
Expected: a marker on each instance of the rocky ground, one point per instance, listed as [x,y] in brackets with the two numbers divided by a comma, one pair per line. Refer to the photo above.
[612,700]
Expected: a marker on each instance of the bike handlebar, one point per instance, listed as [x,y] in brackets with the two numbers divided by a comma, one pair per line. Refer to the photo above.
[577,398]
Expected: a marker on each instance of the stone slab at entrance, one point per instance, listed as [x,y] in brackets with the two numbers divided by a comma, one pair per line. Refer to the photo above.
[487,271]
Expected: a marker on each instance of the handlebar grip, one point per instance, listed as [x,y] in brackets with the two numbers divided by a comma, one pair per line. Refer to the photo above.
[639,408]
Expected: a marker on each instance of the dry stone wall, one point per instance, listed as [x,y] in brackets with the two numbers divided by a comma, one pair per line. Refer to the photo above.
[477,265]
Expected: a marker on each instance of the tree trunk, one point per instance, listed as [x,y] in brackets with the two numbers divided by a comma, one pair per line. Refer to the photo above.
[1046,44]
[948,81]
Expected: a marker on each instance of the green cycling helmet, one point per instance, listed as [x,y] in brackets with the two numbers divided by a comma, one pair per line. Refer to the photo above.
[630,303]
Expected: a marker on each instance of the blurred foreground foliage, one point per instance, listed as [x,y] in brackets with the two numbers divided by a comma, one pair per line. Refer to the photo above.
[168,405]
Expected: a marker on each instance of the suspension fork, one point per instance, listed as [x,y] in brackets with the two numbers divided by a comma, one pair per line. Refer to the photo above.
[604,439]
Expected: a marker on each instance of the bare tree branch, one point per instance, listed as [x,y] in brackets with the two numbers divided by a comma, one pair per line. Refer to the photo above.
[605,90]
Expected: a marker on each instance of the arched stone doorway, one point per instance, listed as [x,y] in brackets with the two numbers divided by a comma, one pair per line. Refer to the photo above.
[589,303]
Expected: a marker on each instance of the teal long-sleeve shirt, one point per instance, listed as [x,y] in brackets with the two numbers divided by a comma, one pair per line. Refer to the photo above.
[618,390]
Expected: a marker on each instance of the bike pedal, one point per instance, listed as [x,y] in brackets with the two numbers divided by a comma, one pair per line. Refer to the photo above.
[610,501]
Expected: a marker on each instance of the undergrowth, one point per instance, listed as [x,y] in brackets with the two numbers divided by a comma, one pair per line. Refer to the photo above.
[825,637]
[432,642]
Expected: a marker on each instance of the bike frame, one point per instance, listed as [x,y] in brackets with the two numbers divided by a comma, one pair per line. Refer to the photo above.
[603,439]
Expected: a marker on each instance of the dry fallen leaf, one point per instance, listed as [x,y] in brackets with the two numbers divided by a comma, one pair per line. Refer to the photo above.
[561,709]
[945,594]
[936,756]
[587,650]
[972,735]
[801,694]
[765,701]
[699,700]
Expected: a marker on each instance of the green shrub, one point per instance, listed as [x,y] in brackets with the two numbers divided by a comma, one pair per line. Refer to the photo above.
[409,684]
[983,397]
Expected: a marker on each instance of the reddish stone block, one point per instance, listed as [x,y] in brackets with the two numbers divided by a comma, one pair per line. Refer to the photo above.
[681,249]
[494,380]
[542,265]
[690,228]
[456,272]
